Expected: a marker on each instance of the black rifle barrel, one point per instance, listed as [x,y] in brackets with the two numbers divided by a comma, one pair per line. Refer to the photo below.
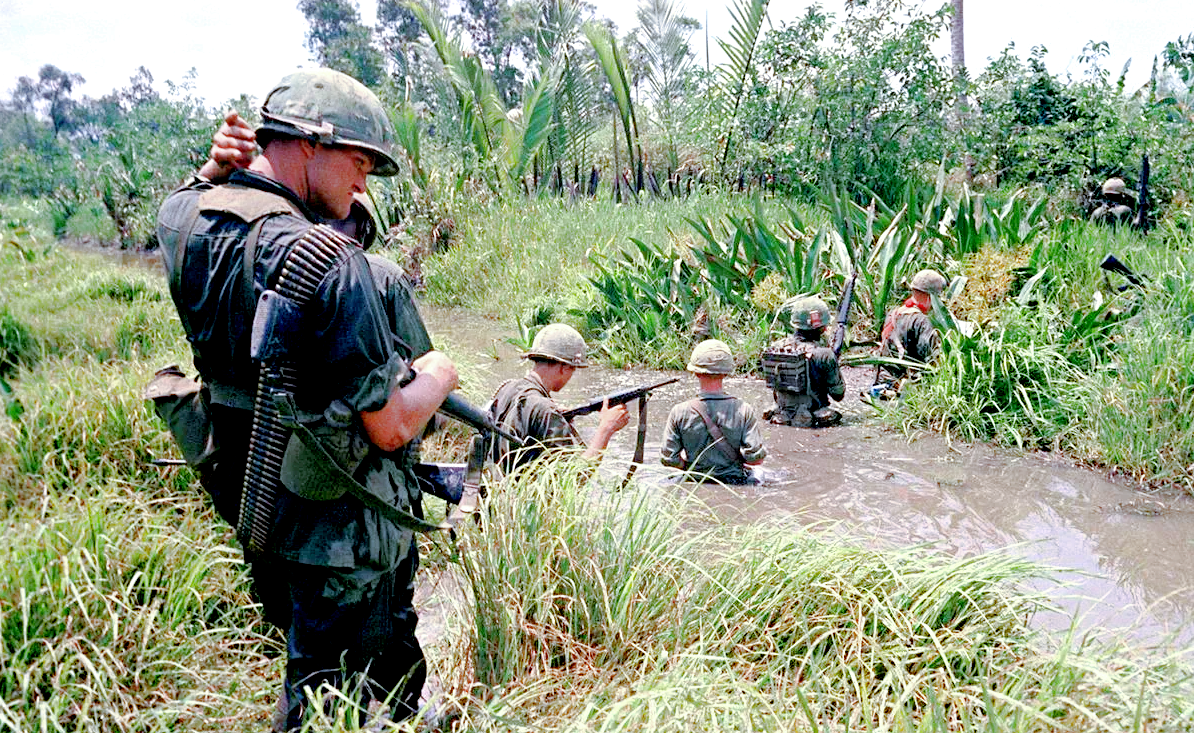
[458,408]
[843,313]
[615,398]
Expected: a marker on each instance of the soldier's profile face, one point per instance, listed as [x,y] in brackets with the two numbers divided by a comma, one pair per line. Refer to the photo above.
[334,174]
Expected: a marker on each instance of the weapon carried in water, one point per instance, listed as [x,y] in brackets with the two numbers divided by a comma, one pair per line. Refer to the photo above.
[615,398]
[1111,263]
[843,313]
[620,398]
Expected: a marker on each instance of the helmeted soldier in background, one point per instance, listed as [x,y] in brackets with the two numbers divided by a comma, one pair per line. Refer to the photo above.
[524,407]
[801,371]
[335,573]
[1117,203]
[908,334]
[715,435]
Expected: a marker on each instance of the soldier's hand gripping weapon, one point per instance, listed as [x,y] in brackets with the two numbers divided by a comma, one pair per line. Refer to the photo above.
[843,313]
[620,398]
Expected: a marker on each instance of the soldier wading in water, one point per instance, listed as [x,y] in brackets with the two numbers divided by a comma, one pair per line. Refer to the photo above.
[801,371]
[524,407]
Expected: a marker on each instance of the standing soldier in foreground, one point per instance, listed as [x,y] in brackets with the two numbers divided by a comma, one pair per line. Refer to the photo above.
[524,407]
[908,334]
[330,569]
[715,435]
[802,372]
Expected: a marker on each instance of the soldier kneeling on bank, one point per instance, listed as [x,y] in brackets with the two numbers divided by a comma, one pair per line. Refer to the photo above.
[801,371]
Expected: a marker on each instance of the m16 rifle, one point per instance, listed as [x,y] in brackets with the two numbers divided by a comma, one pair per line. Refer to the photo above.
[615,398]
[843,313]
[620,398]
[1141,220]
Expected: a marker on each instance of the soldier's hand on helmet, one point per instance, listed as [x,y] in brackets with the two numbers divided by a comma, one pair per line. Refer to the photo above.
[233,146]
[439,366]
[612,419]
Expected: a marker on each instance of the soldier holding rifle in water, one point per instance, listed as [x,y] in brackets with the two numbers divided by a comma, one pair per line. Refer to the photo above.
[525,408]
[330,568]
[908,334]
[802,372]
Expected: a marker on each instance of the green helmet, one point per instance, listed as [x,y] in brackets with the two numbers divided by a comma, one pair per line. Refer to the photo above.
[330,108]
[559,342]
[928,281]
[711,357]
[806,313]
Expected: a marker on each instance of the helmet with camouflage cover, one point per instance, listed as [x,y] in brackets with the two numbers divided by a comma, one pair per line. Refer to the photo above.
[806,313]
[330,108]
[711,357]
[928,281]
[559,342]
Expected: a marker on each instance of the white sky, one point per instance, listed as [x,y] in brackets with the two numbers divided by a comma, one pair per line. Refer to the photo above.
[106,40]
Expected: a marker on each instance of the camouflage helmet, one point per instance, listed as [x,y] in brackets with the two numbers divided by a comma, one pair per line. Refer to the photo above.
[928,281]
[806,313]
[1114,187]
[711,357]
[559,342]
[330,108]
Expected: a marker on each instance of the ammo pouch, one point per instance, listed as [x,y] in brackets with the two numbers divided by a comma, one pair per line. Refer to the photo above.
[183,404]
[787,370]
[310,471]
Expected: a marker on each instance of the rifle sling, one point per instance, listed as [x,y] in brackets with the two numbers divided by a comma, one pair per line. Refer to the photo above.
[640,440]
[719,439]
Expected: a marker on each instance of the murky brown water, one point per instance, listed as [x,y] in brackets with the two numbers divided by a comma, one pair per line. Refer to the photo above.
[1126,554]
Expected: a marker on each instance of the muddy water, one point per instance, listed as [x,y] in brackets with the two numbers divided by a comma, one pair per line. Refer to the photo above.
[1125,556]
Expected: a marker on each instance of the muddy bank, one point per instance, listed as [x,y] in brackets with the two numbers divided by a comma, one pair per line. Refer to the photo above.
[1122,555]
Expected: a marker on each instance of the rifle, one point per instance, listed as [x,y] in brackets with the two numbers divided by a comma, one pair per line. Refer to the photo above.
[1141,220]
[457,408]
[620,398]
[1112,264]
[843,313]
[615,398]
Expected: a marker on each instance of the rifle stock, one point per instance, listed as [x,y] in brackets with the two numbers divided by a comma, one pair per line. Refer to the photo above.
[615,398]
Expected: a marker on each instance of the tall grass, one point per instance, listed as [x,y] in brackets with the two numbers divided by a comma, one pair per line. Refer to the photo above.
[605,610]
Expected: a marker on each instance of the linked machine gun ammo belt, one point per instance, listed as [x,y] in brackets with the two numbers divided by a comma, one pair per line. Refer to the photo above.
[277,318]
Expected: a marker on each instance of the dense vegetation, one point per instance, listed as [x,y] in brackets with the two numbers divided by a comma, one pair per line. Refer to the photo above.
[683,201]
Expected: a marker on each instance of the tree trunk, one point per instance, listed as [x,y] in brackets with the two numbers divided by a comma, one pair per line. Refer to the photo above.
[957,46]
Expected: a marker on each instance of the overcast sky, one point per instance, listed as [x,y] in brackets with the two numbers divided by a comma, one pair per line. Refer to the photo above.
[106,40]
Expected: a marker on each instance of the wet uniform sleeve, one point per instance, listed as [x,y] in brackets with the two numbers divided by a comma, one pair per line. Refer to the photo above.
[354,355]
[671,453]
[928,341]
[753,449]
[831,372]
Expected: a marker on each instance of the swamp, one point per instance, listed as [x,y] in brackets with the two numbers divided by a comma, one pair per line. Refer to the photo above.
[1004,547]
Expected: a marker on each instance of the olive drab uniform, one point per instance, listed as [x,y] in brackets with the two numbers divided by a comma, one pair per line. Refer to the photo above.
[524,407]
[336,575]
[803,375]
[908,335]
[689,442]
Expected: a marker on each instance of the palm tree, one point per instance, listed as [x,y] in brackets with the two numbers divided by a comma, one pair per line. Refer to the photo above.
[957,47]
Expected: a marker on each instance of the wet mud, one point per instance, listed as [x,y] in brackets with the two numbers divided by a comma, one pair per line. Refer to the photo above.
[1123,557]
